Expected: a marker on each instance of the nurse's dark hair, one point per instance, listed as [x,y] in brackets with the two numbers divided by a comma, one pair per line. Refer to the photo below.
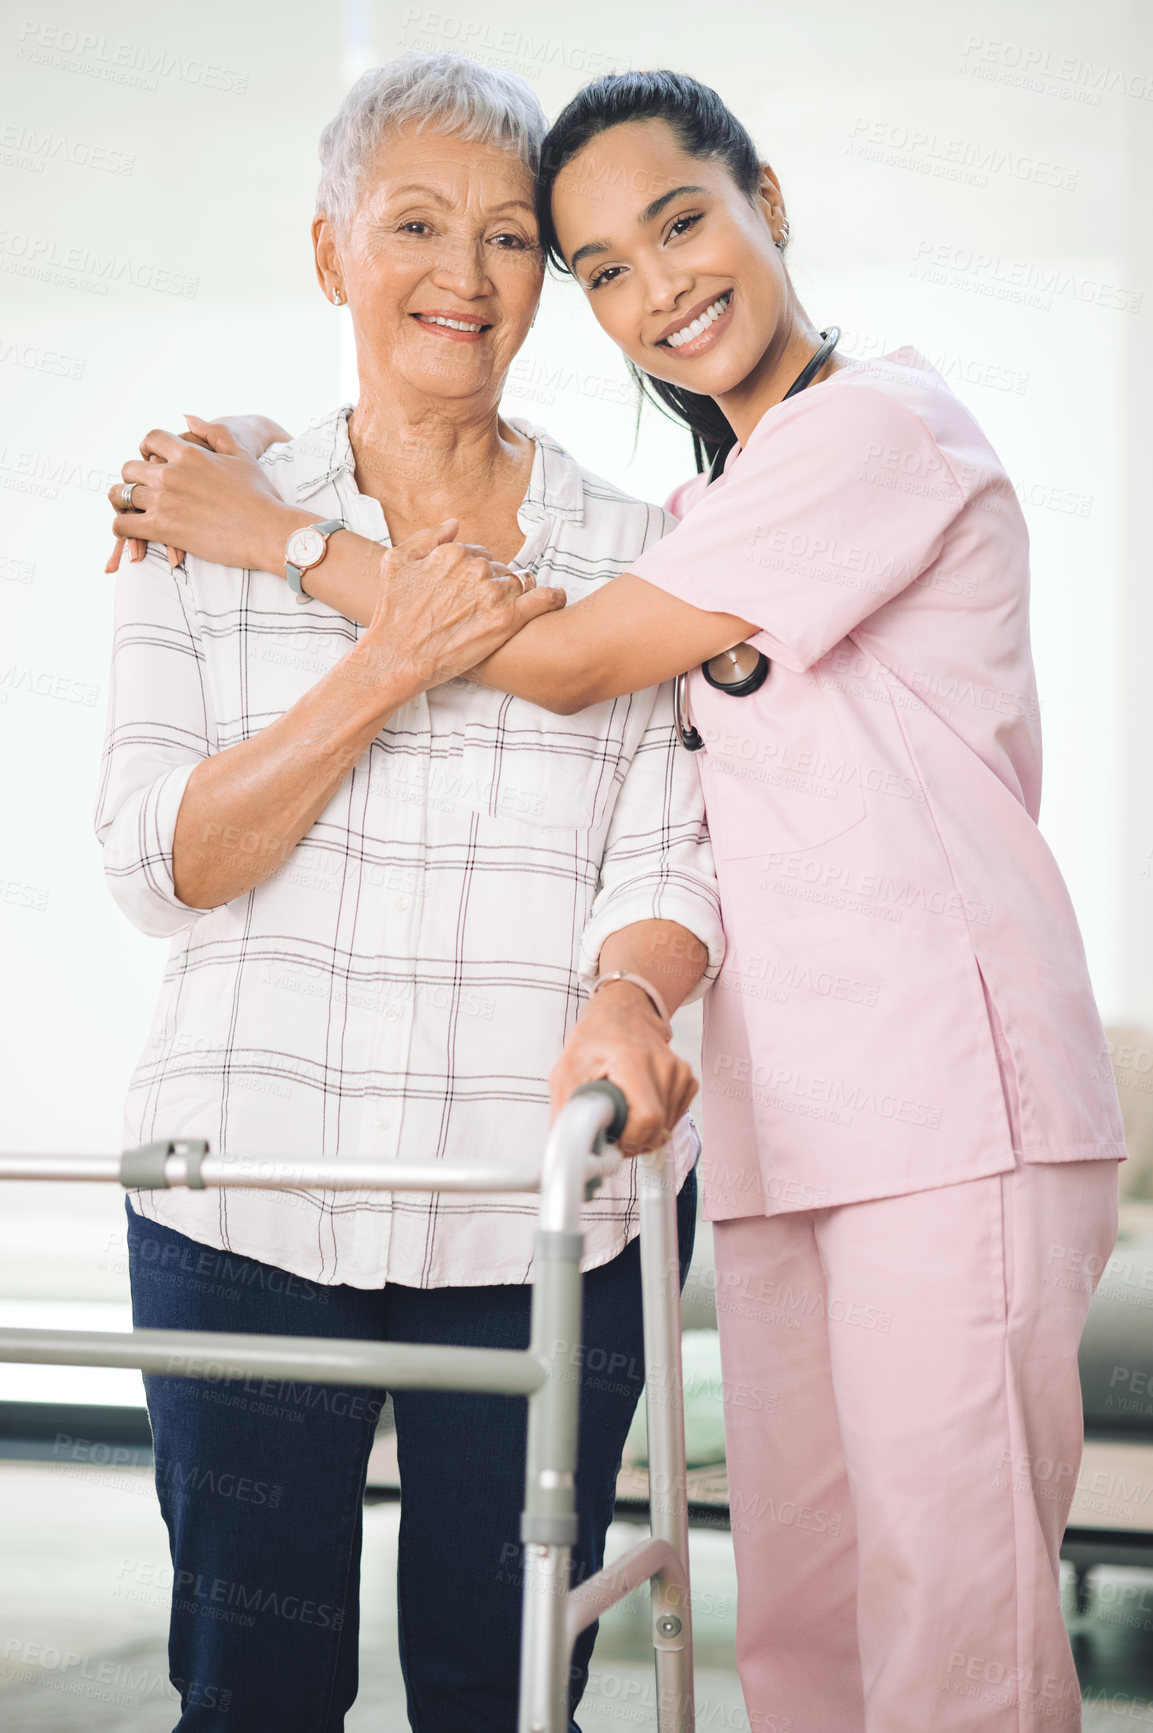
[705,128]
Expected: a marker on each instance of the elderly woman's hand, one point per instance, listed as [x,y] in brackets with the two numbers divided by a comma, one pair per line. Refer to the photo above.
[621,1037]
[203,488]
[443,607]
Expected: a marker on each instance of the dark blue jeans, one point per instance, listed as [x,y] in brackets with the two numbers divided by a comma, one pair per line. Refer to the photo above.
[261,1484]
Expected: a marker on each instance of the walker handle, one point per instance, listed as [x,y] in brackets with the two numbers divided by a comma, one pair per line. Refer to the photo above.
[601,1086]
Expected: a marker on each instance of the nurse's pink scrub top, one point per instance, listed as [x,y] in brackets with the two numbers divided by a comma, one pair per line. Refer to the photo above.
[905,1001]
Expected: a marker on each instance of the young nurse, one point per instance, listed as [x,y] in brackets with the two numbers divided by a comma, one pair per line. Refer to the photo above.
[911,1132]
[910,1126]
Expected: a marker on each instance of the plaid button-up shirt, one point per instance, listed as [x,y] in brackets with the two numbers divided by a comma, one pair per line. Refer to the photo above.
[404,983]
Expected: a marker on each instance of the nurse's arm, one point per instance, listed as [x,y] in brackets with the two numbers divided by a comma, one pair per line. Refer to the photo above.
[627,636]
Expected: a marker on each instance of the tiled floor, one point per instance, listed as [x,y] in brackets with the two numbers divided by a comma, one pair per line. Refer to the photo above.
[83,1598]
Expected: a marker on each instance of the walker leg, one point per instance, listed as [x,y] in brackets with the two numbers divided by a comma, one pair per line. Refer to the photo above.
[672,1626]
[549,1523]
[544,1668]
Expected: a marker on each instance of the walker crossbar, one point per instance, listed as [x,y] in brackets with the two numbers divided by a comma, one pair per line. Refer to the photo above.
[641,1564]
[219,1357]
[164,1166]
[547,1373]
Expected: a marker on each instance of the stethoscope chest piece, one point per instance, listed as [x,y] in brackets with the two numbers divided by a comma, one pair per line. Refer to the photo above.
[738,671]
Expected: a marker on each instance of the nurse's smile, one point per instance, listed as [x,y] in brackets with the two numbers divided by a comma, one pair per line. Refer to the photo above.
[700,329]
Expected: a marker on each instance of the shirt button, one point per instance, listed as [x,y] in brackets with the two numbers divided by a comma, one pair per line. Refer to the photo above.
[403,902]
[393,1013]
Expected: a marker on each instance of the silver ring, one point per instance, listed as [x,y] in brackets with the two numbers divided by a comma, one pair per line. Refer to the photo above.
[126,496]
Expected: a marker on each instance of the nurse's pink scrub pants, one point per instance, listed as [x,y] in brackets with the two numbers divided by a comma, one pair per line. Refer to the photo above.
[904,1429]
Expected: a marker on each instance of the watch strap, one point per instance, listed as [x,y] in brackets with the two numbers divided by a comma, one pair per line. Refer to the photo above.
[294,574]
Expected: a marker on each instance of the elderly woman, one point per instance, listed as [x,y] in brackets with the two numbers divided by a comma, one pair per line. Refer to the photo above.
[389,892]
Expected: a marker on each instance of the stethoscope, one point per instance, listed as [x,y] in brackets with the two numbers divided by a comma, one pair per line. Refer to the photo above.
[742,670]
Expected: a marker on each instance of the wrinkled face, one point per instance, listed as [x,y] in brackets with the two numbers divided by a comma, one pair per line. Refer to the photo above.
[679,266]
[440,265]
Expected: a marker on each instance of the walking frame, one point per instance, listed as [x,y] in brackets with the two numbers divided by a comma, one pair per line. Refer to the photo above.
[548,1372]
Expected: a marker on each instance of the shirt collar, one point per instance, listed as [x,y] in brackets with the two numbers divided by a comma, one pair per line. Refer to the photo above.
[324,452]
[314,458]
[556,486]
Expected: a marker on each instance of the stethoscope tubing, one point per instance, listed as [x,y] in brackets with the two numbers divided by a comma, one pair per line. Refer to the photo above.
[686,733]
[688,736]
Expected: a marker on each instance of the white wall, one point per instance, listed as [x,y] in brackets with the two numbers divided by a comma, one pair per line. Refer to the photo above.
[897,129]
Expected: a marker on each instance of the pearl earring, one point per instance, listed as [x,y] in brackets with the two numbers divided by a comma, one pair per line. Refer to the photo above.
[336,301]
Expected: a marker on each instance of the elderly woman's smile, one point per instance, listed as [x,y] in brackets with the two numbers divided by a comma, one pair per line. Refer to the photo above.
[452,325]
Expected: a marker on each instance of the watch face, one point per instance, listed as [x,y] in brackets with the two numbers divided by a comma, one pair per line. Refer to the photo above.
[305,547]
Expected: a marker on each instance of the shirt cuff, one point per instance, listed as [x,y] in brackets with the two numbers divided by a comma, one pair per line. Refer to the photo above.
[138,856]
[700,916]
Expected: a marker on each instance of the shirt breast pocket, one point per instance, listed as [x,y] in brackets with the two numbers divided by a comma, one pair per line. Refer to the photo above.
[777,772]
[552,772]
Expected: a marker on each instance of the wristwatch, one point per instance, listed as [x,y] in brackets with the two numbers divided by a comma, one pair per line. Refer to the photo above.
[304,549]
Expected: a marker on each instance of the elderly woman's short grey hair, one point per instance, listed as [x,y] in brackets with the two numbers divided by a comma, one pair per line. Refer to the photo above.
[448,92]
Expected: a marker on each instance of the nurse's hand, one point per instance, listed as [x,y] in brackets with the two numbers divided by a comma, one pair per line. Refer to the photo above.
[621,1037]
[156,509]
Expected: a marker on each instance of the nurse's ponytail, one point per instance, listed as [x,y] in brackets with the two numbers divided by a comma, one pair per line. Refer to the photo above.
[705,128]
